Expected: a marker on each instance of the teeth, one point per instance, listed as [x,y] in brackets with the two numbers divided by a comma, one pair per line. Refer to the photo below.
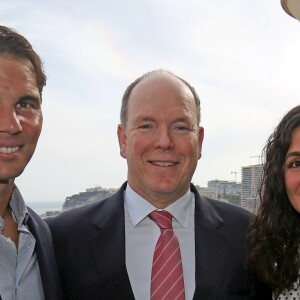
[163,164]
[8,149]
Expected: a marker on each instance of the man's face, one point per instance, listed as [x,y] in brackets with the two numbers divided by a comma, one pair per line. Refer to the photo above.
[20,116]
[162,142]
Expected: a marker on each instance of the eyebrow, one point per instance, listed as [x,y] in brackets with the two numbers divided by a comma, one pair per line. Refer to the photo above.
[144,118]
[31,97]
[151,119]
[295,153]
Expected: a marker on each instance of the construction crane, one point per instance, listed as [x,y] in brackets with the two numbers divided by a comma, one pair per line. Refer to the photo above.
[234,172]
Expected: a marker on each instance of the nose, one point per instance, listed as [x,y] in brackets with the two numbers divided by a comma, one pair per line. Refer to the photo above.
[164,140]
[9,121]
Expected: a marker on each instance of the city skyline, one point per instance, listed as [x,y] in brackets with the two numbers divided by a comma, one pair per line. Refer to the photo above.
[241,57]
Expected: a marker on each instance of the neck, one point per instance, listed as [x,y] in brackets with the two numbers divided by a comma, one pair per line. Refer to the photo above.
[6,189]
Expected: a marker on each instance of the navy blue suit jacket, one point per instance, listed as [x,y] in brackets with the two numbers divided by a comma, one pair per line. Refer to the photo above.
[90,249]
[45,256]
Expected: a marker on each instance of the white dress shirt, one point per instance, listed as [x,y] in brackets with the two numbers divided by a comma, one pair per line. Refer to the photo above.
[141,235]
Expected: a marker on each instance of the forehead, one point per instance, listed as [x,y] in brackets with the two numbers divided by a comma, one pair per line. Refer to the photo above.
[161,91]
[17,72]
[295,140]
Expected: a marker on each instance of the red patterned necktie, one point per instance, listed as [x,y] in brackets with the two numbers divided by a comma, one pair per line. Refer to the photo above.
[167,275]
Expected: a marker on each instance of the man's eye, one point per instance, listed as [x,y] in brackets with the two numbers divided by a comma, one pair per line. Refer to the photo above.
[25,105]
[181,128]
[145,127]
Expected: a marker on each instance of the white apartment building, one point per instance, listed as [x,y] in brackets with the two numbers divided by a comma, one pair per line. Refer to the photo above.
[251,179]
[225,187]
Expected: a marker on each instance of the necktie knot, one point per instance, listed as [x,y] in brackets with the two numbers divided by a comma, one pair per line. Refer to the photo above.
[163,219]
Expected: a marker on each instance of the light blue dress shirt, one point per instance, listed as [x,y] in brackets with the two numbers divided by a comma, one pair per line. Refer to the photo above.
[19,270]
[141,235]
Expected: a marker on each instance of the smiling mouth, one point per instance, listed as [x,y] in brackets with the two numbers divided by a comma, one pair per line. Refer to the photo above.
[163,163]
[7,150]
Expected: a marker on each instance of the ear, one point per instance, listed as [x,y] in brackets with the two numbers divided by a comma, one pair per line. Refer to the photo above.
[200,141]
[122,140]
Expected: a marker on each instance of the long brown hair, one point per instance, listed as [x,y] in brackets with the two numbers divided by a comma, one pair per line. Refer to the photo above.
[274,234]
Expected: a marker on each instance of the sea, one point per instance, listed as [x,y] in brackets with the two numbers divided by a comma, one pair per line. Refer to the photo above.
[41,207]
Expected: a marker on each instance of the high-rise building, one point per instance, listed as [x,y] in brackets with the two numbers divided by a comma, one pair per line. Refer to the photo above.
[251,179]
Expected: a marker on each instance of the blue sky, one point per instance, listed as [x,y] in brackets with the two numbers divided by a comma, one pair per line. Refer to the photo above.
[241,56]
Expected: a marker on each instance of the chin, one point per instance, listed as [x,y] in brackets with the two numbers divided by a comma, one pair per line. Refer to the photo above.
[15,174]
[161,189]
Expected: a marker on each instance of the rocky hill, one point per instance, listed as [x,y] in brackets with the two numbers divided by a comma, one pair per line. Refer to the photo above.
[89,196]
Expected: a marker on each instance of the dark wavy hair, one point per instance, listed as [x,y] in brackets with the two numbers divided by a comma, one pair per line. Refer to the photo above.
[124,106]
[274,234]
[16,46]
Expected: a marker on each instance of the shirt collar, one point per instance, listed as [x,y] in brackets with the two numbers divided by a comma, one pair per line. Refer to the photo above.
[18,207]
[139,208]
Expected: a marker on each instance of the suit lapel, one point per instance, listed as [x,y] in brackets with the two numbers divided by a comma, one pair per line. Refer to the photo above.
[211,246]
[45,255]
[108,247]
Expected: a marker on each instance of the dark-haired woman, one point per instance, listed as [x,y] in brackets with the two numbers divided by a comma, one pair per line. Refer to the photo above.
[274,235]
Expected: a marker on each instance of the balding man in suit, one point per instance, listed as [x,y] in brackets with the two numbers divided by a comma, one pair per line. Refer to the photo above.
[156,238]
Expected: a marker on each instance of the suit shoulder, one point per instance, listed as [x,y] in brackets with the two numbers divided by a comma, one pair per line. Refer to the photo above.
[37,219]
[77,213]
[37,224]
[232,208]
[230,213]
[224,209]
[82,216]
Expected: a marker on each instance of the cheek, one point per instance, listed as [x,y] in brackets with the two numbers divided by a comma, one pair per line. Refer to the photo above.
[292,181]
[288,181]
[292,184]
[33,126]
[36,131]
[137,146]
[190,148]
[39,124]
[38,120]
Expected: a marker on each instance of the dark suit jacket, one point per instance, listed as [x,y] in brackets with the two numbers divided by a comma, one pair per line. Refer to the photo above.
[45,256]
[90,248]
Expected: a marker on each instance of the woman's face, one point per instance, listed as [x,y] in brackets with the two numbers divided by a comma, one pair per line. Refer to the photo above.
[292,170]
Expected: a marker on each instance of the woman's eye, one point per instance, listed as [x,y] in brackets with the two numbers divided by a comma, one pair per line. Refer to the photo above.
[294,164]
